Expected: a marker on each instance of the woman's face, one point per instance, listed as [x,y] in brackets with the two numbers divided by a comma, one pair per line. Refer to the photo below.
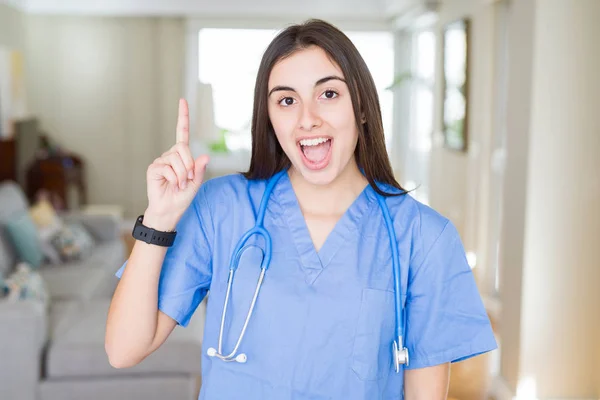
[311,111]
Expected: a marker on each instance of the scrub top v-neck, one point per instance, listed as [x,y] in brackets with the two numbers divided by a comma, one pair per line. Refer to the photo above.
[323,324]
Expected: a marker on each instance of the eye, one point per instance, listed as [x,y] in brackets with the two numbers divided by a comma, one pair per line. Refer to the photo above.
[286,101]
[330,94]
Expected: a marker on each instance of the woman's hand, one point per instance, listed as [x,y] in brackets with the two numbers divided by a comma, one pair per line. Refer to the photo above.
[173,179]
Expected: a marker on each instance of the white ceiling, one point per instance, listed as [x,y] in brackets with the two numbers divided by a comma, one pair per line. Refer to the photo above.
[264,8]
[369,10]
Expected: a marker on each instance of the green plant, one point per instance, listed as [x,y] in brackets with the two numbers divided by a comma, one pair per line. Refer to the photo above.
[220,145]
[400,79]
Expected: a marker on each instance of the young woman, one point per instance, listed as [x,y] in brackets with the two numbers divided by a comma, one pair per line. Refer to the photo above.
[359,276]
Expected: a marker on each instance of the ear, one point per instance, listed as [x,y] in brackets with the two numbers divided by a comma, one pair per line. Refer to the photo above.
[363,119]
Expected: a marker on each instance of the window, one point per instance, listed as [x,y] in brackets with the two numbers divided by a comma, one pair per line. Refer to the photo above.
[421,113]
[377,49]
[423,72]
[229,60]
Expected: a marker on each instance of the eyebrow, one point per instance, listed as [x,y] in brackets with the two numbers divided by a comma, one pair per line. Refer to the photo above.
[317,83]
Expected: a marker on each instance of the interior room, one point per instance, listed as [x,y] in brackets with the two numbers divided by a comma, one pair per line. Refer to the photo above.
[490,116]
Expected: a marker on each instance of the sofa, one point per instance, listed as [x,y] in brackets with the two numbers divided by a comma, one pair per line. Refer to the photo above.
[53,348]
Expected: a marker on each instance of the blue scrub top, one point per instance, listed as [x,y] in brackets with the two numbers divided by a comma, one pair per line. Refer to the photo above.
[324,322]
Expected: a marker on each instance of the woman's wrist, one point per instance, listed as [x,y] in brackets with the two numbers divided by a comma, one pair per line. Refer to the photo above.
[159,222]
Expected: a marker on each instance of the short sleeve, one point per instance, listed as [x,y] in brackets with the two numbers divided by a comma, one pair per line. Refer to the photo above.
[445,317]
[186,271]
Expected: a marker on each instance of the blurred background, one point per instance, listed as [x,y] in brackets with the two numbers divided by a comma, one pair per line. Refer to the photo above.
[491,111]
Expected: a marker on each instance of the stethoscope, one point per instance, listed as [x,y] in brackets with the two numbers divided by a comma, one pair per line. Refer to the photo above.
[400,353]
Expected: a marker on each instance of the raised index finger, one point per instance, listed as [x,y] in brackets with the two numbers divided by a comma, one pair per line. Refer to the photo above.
[183,123]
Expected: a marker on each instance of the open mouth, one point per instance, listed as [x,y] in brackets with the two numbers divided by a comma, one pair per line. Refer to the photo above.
[316,151]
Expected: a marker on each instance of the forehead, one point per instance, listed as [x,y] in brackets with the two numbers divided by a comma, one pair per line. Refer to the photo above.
[304,67]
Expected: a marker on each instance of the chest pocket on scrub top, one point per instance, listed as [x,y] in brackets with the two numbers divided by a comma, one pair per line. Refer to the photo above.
[372,352]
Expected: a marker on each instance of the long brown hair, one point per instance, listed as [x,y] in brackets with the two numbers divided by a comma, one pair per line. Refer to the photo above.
[371,156]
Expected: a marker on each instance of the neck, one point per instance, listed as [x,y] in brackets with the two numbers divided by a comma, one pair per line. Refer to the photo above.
[332,198]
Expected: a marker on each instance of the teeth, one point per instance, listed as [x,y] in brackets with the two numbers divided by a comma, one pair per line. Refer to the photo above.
[312,142]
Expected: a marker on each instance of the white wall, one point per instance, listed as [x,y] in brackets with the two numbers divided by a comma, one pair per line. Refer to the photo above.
[11,27]
[457,182]
[107,88]
[550,315]
[550,271]
[561,300]
[353,9]
[520,69]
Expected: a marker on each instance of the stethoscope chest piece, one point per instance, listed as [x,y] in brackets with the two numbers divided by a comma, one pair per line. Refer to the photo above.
[400,355]
[240,358]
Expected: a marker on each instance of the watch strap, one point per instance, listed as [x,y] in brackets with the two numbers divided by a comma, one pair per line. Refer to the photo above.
[151,235]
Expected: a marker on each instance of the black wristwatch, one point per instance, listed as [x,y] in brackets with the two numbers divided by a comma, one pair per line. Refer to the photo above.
[150,235]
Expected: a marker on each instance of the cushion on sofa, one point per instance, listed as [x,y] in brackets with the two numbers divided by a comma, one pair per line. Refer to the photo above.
[48,226]
[24,283]
[43,214]
[13,201]
[46,233]
[109,255]
[24,237]
[77,348]
[86,279]
[151,387]
[72,281]
[8,258]
[23,334]
[73,242]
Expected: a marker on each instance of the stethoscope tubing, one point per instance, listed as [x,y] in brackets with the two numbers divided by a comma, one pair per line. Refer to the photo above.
[400,353]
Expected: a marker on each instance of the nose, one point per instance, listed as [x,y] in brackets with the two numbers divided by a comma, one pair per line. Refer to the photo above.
[309,117]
